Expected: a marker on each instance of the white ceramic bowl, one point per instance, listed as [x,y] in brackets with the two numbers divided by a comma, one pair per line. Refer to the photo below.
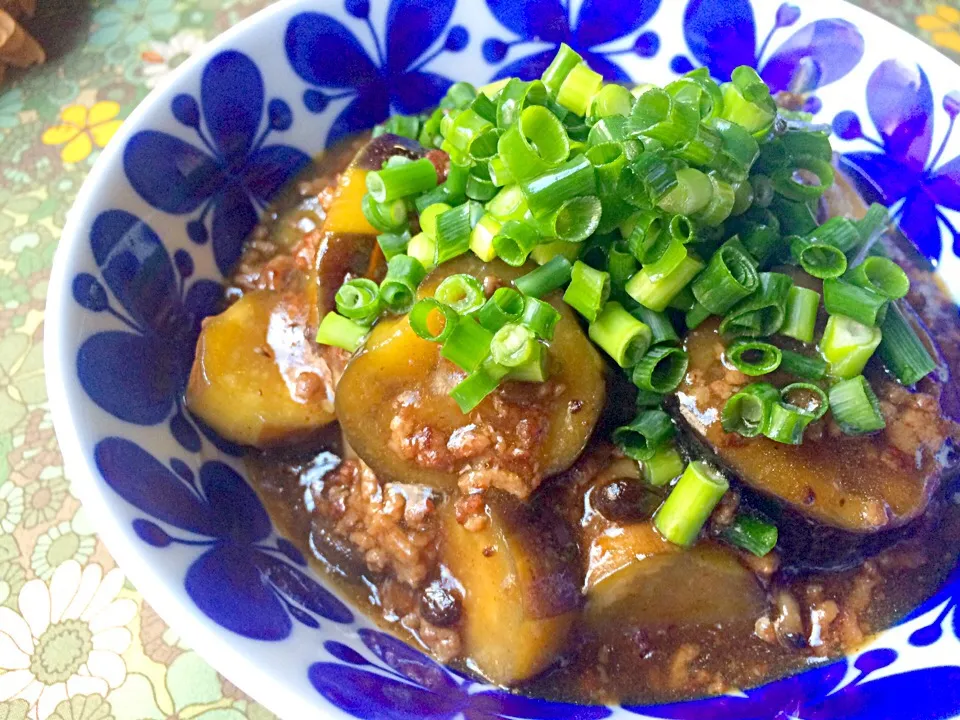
[164,212]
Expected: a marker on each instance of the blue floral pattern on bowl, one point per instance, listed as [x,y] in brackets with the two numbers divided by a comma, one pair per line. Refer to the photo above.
[723,35]
[141,266]
[327,55]
[900,172]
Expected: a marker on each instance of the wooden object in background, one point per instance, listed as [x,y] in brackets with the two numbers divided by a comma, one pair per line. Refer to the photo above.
[17,46]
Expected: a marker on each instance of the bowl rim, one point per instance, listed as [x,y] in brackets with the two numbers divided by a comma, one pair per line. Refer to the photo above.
[210,642]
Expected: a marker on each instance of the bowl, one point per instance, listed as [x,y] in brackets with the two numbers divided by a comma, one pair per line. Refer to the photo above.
[162,218]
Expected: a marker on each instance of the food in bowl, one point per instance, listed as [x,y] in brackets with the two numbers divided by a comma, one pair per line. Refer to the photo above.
[603,394]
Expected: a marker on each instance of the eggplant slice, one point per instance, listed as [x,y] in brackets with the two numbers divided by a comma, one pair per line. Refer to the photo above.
[858,484]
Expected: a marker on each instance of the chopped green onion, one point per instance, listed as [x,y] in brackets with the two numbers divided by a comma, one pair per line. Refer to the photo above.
[847,345]
[481,238]
[429,216]
[753,534]
[872,225]
[470,136]
[536,369]
[901,349]
[401,181]
[647,399]
[806,397]
[647,179]
[657,295]
[721,203]
[611,129]
[468,345]
[547,251]
[398,288]
[506,305]
[535,145]
[462,292]
[684,300]
[578,89]
[693,498]
[574,221]
[546,278]
[657,115]
[454,228]
[648,432]
[747,413]
[882,275]
[818,259]
[546,193]
[795,217]
[742,197]
[359,299]
[423,248]
[728,278]
[647,230]
[588,290]
[421,318]
[695,316]
[860,303]
[407,126]
[563,62]
[621,264]
[509,204]
[838,231]
[789,182]
[393,243]
[747,101]
[472,390]
[513,345]
[752,357]
[479,185]
[855,407]
[662,329]
[541,317]
[787,424]
[661,370]
[515,96]
[385,217]
[514,242]
[738,151]
[803,366]
[763,312]
[663,466]
[620,335]
[459,95]
[669,255]
[341,332]
[690,195]
[612,99]
[801,314]
[499,174]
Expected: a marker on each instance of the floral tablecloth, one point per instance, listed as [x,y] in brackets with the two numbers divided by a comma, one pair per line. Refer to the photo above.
[59,657]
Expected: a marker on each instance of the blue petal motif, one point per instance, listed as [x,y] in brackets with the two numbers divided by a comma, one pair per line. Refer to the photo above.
[137,374]
[598,23]
[410,686]
[826,50]
[721,35]
[231,162]
[327,56]
[242,585]
[900,104]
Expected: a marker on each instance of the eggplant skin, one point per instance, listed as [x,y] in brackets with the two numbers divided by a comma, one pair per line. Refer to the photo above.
[858,484]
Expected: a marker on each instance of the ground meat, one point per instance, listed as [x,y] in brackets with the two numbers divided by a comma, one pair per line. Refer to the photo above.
[914,425]
[393,525]
[444,643]
[441,163]
[680,672]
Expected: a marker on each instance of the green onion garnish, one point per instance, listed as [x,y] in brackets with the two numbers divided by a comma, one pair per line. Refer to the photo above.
[535,145]
[728,278]
[565,60]
[462,292]
[588,290]
[747,101]
[664,465]
[541,317]
[578,88]
[752,533]
[753,357]
[901,349]
[803,366]
[422,316]
[690,195]
[453,230]
[659,323]
[513,345]
[399,287]
[385,217]
[506,305]
[657,295]
[341,332]
[393,243]
[690,503]
[882,275]
[801,314]
[747,413]
[847,345]
[695,316]
[817,258]
[855,407]
[547,192]
[661,370]
[468,345]
[860,303]
[620,334]
[648,432]
[550,276]
[359,299]
[471,391]
[763,312]
[514,242]
[399,181]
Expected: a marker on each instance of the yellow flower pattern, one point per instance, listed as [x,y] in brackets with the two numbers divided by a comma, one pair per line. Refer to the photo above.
[81,128]
[943,26]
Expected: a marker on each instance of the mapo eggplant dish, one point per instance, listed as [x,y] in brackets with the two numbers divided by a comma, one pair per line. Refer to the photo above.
[600,393]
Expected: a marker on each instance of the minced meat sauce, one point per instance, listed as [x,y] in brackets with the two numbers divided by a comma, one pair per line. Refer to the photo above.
[820,594]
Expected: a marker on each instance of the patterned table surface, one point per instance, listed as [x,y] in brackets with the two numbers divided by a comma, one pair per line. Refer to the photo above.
[104,57]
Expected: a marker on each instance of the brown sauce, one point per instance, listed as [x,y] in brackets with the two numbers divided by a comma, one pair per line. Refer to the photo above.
[380,542]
